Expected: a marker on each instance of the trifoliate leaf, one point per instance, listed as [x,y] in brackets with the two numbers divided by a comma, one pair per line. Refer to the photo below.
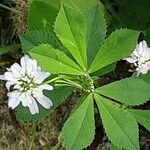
[79,129]
[57,96]
[70,28]
[141,116]
[54,61]
[121,128]
[118,45]
[96,31]
[130,91]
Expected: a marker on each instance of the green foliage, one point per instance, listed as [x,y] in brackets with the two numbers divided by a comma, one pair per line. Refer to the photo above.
[54,61]
[10,48]
[35,38]
[58,96]
[96,31]
[79,129]
[118,45]
[129,91]
[141,116]
[105,70]
[42,14]
[69,40]
[114,147]
[71,30]
[119,125]
[82,5]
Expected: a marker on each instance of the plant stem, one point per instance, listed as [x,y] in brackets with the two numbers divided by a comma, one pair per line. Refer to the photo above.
[59,142]
[33,136]
[9,8]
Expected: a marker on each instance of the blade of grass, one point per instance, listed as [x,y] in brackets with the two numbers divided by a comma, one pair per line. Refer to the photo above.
[9,8]
[10,48]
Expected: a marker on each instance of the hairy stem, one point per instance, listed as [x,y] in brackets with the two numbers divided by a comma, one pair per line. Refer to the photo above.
[33,136]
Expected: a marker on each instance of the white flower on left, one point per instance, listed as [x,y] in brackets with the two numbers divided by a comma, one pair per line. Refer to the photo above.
[27,85]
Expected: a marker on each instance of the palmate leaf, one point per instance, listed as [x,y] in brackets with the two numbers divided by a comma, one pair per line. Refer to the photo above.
[130,91]
[96,31]
[118,45]
[58,96]
[81,5]
[35,38]
[78,131]
[70,28]
[54,61]
[141,116]
[121,128]
[42,14]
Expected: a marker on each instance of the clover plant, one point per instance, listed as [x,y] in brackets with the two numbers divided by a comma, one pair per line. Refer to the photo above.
[71,43]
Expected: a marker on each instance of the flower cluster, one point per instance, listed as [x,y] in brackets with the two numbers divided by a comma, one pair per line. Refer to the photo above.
[24,83]
[140,58]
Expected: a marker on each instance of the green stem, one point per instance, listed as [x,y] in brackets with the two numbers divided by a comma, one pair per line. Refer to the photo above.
[8,8]
[33,136]
[52,80]
[74,84]
[17,142]
[59,142]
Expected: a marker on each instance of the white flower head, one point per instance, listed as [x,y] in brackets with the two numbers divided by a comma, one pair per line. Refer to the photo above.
[27,85]
[140,58]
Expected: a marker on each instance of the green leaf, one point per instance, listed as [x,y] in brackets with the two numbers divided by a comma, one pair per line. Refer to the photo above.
[145,77]
[130,91]
[42,14]
[79,129]
[141,116]
[35,38]
[121,128]
[54,61]
[70,28]
[114,147]
[118,45]
[10,48]
[105,70]
[58,96]
[96,31]
[81,5]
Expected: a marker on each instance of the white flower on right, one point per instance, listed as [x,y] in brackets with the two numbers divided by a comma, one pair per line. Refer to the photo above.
[27,85]
[140,58]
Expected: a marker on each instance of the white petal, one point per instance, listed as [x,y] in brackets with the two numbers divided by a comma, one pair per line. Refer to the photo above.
[143,69]
[24,61]
[41,76]
[17,87]
[45,102]
[10,77]
[131,60]
[13,102]
[14,94]
[9,84]
[144,44]
[16,69]
[46,87]
[33,107]
[2,77]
